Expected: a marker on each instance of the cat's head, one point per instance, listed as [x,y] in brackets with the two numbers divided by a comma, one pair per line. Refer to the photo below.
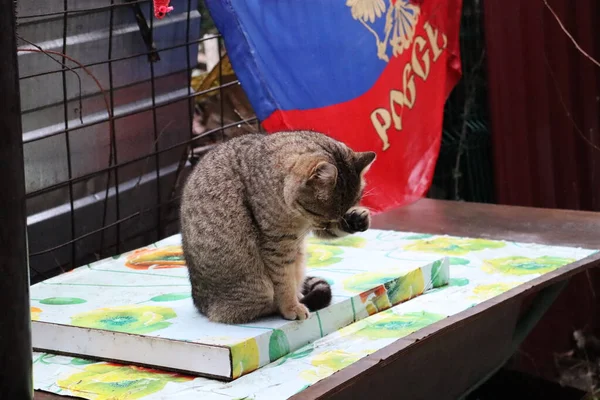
[332,181]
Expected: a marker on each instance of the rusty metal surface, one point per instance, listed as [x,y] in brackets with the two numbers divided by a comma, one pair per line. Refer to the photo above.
[544,99]
[408,362]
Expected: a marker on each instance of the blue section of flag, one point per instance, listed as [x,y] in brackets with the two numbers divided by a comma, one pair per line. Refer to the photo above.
[298,54]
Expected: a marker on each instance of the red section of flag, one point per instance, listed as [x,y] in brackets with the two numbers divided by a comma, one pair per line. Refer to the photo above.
[400,117]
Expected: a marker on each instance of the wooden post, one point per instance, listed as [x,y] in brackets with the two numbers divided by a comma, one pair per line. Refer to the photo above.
[15,325]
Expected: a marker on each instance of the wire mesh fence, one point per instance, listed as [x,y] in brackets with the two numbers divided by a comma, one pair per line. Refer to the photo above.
[116,106]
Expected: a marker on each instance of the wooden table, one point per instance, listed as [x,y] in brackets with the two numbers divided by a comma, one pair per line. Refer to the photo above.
[446,359]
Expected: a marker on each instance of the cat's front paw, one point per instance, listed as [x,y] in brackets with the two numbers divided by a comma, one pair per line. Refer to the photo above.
[358,219]
[295,311]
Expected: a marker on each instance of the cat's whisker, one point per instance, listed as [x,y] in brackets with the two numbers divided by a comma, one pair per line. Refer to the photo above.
[369,192]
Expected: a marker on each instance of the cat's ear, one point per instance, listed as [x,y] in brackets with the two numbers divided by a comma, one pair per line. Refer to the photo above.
[324,174]
[363,161]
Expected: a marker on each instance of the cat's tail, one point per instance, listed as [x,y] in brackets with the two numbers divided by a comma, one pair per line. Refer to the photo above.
[317,293]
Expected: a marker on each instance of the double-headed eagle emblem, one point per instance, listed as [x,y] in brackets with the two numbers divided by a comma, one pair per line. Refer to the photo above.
[401,17]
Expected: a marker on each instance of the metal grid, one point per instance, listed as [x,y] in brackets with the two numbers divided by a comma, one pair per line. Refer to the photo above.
[115,105]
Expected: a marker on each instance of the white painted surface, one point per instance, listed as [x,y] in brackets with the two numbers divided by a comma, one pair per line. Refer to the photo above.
[182,356]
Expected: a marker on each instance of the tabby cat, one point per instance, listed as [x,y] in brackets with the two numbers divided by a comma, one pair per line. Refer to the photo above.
[246,210]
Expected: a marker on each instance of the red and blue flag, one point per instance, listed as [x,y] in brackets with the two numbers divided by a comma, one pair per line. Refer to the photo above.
[374,74]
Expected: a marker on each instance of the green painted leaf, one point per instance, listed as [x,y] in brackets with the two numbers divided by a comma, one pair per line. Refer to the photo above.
[418,236]
[81,361]
[171,297]
[45,359]
[62,301]
[439,276]
[459,261]
[459,282]
[54,359]
[279,345]
[300,353]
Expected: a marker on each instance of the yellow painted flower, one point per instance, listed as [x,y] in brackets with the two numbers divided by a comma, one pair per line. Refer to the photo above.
[244,357]
[336,359]
[35,313]
[330,362]
[368,280]
[160,258]
[346,241]
[399,288]
[524,265]
[406,287]
[316,374]
[106,381]
[128,319]
[388,325]
[321,255]
[485,292]
[453,246]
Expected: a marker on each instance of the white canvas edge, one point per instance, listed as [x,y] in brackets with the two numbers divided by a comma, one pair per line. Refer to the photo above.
[186,357]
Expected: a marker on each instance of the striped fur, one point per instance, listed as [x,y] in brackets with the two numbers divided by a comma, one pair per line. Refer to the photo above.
[245,213]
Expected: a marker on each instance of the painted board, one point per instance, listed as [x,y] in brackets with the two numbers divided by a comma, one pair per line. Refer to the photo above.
[480,270]
[136,308]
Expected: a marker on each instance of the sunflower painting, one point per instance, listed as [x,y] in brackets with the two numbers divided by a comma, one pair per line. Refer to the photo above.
[105,381]
[127,319]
